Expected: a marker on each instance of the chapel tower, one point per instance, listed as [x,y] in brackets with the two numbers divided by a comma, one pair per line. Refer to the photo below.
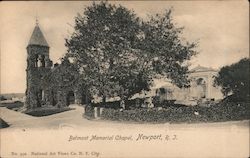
[38,65]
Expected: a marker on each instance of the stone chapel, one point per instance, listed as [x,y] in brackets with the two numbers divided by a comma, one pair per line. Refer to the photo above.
[48,84]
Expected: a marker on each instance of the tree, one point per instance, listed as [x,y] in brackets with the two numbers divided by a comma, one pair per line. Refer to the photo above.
[103,45]
[162,42]
[234,79]
[119,54]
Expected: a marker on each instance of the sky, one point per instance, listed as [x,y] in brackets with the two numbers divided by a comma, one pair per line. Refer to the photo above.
[221,27]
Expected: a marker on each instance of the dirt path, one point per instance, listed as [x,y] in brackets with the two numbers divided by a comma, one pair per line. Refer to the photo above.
[18,119]
[14,118]
[193,140]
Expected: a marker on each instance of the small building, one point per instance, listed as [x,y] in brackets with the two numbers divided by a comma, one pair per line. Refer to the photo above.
[201,87]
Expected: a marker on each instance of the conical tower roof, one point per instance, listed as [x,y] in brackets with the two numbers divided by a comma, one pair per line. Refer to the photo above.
[37,38]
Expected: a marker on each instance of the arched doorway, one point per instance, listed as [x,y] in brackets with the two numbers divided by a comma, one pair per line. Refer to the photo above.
[70,98]
[39,97]
[202,87]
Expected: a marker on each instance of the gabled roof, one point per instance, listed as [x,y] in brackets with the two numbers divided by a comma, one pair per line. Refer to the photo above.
[37,38]
[201,69]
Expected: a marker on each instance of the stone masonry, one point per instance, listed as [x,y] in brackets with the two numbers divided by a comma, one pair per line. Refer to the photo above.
[43,88]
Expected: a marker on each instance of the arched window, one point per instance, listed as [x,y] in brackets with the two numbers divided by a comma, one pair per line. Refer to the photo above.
[162,90]
[200,81]
[43,96]
[41,62]
[36,60]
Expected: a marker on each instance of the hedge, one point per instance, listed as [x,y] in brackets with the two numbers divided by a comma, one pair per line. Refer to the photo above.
[131,104]
[113,105]
[172,114]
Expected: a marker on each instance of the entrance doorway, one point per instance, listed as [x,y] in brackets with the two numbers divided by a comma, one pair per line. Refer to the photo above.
[39,97]
[54,98]
[70,98]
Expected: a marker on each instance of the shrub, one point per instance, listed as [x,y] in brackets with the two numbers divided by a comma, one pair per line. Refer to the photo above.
[2,98]
[114,104]
[156,100]
[164,103]
[134,103]
[89,112]
[131,104]
[175,114]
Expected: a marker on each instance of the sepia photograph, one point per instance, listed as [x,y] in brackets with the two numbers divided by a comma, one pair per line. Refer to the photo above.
[124,79]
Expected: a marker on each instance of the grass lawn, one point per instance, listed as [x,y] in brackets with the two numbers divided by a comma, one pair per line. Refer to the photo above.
[3,124]
[39,112]
[12,105]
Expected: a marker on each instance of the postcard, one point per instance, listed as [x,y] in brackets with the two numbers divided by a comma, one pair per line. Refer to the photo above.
[124,79]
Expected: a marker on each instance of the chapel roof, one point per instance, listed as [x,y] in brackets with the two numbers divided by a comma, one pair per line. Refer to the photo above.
[37,37]
[201,69]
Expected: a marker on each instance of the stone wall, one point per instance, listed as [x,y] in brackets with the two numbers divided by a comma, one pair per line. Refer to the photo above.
[36,93]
